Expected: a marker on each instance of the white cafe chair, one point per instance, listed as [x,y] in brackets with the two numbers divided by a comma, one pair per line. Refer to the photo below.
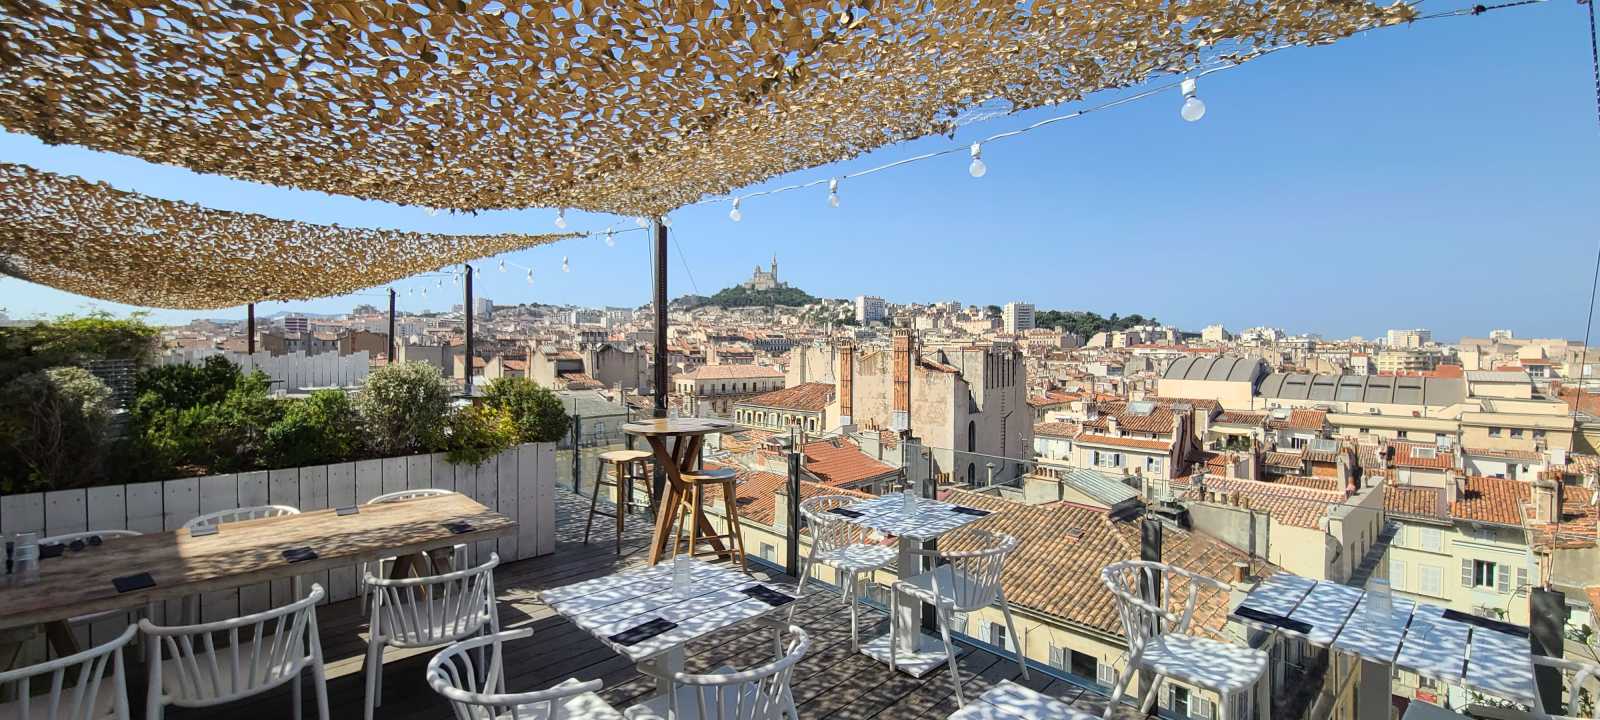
[261,651]
[381,567]
[426,612]
[191,603]
[90,693]
[453,674]
[761,693]
[1158,638]
[844,546]
[967,581]
[1585,678]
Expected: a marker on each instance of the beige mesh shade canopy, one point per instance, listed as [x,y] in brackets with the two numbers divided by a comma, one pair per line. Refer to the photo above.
[603,105]
[91,239]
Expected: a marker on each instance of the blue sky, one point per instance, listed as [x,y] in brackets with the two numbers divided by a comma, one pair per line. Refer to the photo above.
[1440,175]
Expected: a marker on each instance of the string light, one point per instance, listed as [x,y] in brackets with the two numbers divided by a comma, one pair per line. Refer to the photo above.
[1193,107]
[433,212]
[666,221]
[502,265]
[642,221]
[734,214]
[977,169]
[833,192]
[564,266]
[530,276]
[424,292]
[561,218]
[611,238]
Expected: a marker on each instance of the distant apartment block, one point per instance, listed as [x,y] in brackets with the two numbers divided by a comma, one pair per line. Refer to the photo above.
[870,309]
[296,324]
[1413,338]
[1017,317]
[1393,362]
[1214,334]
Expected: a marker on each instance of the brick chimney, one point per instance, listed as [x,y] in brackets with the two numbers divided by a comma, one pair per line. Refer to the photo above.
[847,384]
[1546,500]
[1111,425]
[900,420]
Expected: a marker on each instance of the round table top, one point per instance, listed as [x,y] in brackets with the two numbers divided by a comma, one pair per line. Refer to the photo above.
[677,426]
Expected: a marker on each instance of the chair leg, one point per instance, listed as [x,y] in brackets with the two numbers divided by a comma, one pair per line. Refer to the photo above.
[153,706]
[894,628]
[950,654]
[1011,632]
[294,692]
[374,670]
[697,499]
[799,590]
[594,502]
[730,505]
[1150,694]
[319,685]
[1119,687]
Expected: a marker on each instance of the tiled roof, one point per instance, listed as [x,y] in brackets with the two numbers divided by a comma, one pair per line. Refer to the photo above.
[1057,429]
[1284,459]
[743,439]
[805,397]
[1198,403]
[1506,454]
[1404,457]
[1412,500]
[1327,484]
[731,372]
[580,381]
[1241,417]
[1287,503]
[840,462]
[1046,556]
[1321,456]
[1127,442]
[1492,500]
[1159,419]
[1580,521]
[757,490]
[1301,420]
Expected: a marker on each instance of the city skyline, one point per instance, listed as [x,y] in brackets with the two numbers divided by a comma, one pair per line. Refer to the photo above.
[1382,219]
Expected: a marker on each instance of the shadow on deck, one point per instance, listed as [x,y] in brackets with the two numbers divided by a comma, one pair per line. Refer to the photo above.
[830,682]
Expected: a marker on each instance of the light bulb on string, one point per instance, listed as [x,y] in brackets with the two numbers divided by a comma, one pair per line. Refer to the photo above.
[977,169]
[530,276]
[433,212]
[564,266]
[561,218]
[502,265]
[611,238]
[1193,107]
[642,221]
[734,214]
[833,192]
[424,292]
[666,221]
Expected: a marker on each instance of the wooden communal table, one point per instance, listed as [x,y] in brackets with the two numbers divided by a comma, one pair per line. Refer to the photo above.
[241,553]
[687,436]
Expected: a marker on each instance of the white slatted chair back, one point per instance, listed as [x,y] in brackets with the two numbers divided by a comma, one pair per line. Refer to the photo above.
[77,685]
[974,577]
[402,495]
[830,532]
[455,673]
[236,514]
[757,694]
[1585,682]
[434,609]
[223,661]
[1155,598]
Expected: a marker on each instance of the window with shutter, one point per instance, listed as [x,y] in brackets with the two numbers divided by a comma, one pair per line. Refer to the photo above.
[1502,578]
[1200,709]
[1466,572]
[1106,674]
[1058,658]
[1522,578]
[984,633]
[1430,539]
[958,623]
[1397,573]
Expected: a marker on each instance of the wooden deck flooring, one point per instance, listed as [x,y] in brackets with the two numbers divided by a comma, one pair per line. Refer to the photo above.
[831,682]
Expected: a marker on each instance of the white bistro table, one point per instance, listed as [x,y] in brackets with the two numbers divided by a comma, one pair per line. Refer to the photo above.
[714,599]
[917,652]
[1455,648]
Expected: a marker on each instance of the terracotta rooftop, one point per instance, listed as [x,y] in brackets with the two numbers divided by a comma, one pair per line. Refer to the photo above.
[731,372]
[1046,555]
[1284,459]
[1405,456]
[757,491]
[1412,500]
[840,462]
[1057,429]
[580,381]
[1159,420]
[806,397]
[1287,503]
[1241,417]
[1491,500]
[1127,442]
[1504,454]
[1326,484]
[1314,420]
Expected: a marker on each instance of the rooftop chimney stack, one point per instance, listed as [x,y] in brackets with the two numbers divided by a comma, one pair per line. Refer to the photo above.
[847,383]
[900,420]
[1546,500]
[1111,425]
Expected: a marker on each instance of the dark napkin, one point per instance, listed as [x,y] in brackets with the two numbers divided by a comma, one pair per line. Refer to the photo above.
[1250,613]
[768,595]
[204,531]
[131,583]
[968,511]
[299,554]
[846,512]
[350,510]
[458,527]
[642,632]
[52,550]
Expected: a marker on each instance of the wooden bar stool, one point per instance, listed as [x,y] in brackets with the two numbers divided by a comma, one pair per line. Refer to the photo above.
[693,500]
[628,466]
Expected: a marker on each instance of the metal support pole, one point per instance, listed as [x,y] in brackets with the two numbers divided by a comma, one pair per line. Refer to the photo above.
[250,328]
[467,361]
[792,531]
[391,326]
[1547,613]
[577,451]
[660,309]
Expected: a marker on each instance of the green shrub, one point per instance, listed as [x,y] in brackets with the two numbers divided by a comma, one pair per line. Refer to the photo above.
[476,433]
[73,340]
[53,428]
[178,387]
[405,408]
[226,434]
[537,412]
[323,428]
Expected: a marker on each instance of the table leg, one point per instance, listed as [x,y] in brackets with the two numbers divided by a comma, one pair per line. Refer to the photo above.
[915,652]
[400,569]
[669,497]
[60,638]
[910,620]
[663,668]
